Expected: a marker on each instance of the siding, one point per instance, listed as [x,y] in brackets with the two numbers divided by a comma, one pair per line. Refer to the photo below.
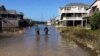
[10,23]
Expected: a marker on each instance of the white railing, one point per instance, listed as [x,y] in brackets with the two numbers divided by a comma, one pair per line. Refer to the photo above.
[74,11]
[72,18]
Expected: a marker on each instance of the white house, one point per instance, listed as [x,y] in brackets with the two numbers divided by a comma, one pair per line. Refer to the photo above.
[72,14]
[95,6]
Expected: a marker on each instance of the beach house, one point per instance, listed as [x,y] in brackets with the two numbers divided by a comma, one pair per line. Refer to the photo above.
[72,14]
[95,6]
[9,18]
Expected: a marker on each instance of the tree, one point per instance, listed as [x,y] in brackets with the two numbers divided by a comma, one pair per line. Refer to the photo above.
[94,21]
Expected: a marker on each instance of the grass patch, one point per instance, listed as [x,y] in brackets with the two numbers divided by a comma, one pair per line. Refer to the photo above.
[86,37]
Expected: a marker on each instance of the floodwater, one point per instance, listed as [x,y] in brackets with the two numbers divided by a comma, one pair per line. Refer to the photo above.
[30,44]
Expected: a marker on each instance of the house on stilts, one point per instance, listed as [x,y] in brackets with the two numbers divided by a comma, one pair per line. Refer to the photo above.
[9,18]
[73,15]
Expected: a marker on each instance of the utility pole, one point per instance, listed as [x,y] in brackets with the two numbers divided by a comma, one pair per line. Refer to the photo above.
[41,17]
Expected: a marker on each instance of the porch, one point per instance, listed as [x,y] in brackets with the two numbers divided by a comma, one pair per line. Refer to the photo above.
[74,23]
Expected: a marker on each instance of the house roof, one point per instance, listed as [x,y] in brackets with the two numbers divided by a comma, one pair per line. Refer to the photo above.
[2,7]
[11,11]
[4,11]
[93,3]
[14,12]
[76,4]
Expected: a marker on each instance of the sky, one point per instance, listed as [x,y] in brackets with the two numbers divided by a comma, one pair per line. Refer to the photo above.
[39,9]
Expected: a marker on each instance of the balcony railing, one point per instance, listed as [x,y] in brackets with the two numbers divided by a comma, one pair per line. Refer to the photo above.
[72,18]
[74,11]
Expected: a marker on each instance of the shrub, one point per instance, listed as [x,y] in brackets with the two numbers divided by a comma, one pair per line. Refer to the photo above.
[94,21]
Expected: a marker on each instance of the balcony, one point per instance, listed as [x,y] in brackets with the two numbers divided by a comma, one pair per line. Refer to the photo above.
[72,18]
[73,11]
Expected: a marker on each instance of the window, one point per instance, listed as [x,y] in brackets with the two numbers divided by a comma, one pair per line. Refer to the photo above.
[69,8]
[79,8]
[97,9]
[94,8]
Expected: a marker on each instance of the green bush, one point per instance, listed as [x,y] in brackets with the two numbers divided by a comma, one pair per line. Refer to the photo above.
[94,21]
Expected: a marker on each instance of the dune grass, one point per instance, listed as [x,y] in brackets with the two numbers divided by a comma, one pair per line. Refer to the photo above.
[84,36]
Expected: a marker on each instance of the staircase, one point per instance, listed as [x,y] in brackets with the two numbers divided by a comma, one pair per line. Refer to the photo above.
[9,25]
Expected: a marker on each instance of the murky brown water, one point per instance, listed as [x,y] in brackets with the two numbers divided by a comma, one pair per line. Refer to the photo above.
[28,44]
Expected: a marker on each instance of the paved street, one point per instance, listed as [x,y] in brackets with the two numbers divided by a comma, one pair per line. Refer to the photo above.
[28,44]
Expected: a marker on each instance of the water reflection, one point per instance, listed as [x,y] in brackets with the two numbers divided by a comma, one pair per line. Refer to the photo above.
[46,39]
[37,38]
[37,47]
[41,40]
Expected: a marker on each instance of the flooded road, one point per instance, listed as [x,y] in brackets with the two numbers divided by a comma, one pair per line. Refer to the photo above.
[29,44]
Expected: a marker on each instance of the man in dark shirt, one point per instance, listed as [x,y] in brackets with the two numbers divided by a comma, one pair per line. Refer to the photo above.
[46,30]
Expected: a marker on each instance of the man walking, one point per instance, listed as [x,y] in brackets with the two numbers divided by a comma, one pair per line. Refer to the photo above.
[46,30]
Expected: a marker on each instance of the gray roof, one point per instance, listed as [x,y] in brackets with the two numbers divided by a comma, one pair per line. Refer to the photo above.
[11,11]
[76,4]
[14,12]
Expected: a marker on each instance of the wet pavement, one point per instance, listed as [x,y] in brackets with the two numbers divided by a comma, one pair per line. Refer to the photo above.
[30,44]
